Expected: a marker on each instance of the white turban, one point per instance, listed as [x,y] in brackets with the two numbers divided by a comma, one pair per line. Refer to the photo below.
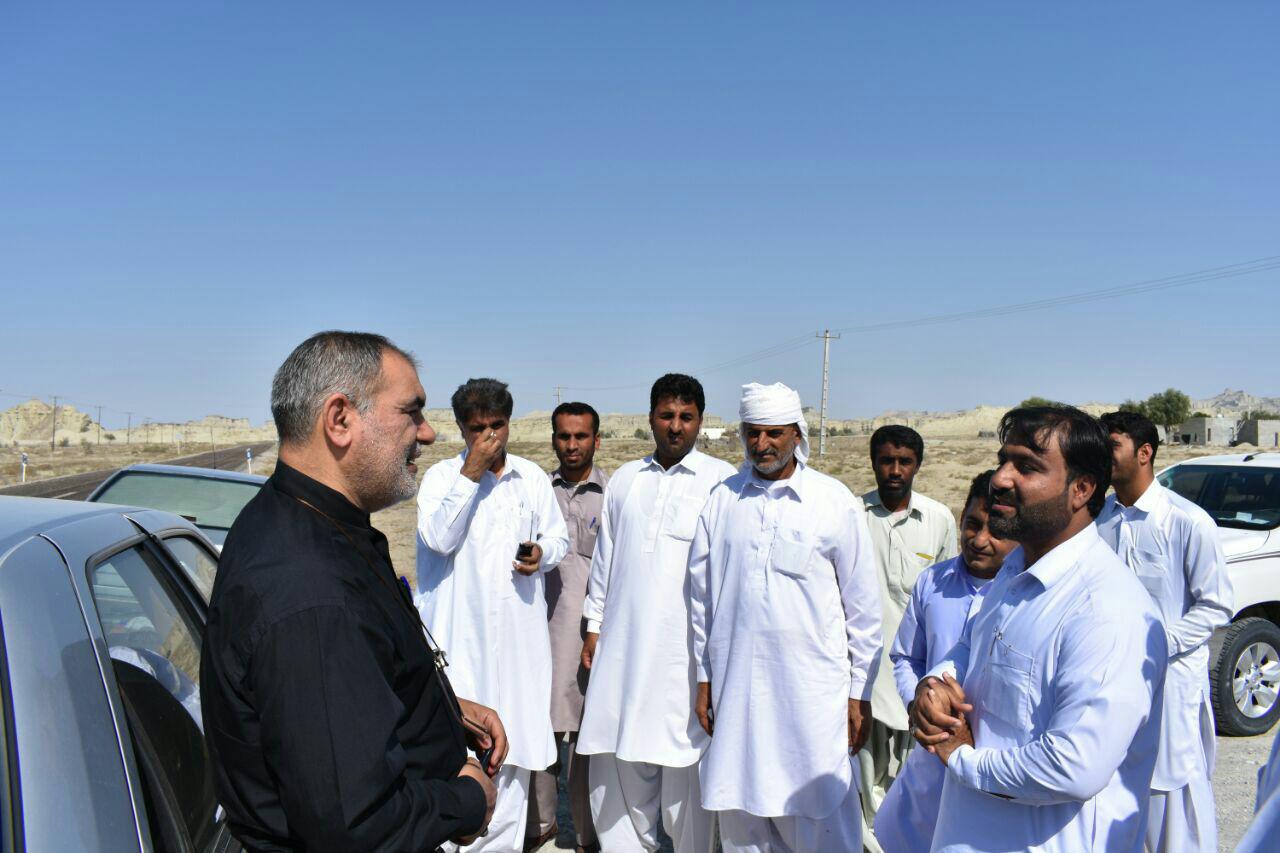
[772,405]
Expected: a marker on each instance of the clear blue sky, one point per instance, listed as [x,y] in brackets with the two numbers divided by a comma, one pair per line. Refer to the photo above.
[592,194]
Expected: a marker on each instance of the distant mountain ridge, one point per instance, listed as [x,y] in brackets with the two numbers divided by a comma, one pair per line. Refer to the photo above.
[1231,402]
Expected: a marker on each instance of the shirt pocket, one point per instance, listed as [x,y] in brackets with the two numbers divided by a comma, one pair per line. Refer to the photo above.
[680,517]
[524,527]
[1007,695]
[791,555]
[1152,574]
[584,540]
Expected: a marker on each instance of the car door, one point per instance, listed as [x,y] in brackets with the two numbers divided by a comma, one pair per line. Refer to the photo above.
[146,614]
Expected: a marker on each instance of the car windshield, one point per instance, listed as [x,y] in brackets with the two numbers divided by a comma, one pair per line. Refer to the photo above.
[1247,498]
[209,503]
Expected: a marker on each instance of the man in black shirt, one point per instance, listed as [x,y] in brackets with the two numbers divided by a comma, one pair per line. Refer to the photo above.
[329,724]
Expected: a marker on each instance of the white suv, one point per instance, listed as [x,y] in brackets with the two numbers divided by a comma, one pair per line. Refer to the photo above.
[1241,492]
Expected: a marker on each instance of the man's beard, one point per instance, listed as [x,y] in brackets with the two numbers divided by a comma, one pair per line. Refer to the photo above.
[385,478]
[777,464]
[1030,522]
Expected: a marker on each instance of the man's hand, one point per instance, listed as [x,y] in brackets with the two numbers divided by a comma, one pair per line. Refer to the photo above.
[484,451]
[485,729]
[529,566]
[702,705]
[859,724]
[958,738]
[938,709]
[472,770]
[589,649]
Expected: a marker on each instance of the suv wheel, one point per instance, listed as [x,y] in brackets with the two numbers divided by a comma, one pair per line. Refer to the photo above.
[1245,678]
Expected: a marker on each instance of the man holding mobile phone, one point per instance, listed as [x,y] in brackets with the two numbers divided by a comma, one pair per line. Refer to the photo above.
[488,531]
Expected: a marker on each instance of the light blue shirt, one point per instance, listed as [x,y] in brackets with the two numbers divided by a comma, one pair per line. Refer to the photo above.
[932,622]
[1064,664]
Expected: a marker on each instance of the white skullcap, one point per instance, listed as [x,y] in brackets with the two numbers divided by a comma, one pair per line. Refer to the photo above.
[772,405]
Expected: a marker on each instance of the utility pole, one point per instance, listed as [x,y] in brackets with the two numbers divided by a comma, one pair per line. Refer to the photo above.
[128,429]
[559,388]
[53,432]
[822,413]
[99,425]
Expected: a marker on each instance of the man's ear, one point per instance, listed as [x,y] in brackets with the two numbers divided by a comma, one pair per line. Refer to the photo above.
[1081,491]
[1144,454]
[338,418]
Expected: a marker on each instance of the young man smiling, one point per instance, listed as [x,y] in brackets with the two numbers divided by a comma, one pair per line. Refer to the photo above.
[943,597]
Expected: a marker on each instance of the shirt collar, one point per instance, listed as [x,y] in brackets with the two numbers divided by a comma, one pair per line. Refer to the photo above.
[873,499]
[691,462]
[794,483]
[1151,498]
[1052,567]
[595,478]
[510,470]
[331,502]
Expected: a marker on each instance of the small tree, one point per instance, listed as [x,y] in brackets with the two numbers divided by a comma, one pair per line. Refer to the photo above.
[1259,414]
[109,436]
[1037,401]
[1134,406]
[639,433]
[1168,408]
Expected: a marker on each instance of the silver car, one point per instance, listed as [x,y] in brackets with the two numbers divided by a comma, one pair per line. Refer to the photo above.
[209,497]
[102,609]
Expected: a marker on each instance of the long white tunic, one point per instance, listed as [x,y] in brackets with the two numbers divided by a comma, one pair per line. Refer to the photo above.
[490,619]
[786,628]
[1172,546]
[905,544]
[1064,664]
[640,696]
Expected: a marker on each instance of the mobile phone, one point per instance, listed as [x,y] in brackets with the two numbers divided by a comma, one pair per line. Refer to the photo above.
[483,756]
[524,552]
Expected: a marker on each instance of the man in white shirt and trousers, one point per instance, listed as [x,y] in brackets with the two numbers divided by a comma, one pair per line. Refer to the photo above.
[489,528]
[909,533]
[786,638]
[1051,741]
[1172,546]
[638,724]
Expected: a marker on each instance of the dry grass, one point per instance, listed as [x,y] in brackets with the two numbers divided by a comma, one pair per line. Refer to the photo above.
[44,462]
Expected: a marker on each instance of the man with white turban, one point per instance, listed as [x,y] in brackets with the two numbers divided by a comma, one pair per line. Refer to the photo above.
[786,639]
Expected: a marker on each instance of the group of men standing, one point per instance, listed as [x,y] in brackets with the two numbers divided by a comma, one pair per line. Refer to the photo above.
[753,648]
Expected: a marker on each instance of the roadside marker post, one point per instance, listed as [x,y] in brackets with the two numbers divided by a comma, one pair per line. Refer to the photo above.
[24,467]
[248,459]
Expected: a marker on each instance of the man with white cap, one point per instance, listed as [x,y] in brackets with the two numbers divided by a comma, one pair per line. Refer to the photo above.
[786,639]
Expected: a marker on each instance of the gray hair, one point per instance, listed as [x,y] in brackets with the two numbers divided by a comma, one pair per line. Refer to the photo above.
[333,362]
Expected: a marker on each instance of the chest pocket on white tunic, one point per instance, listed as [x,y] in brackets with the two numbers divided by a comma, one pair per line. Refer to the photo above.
[1008,689]
[680,518]
[791,555]
[1151,572]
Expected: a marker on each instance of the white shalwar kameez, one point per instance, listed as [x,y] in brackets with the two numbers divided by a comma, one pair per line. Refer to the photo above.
[1064,665]
[490,619]
[638,724]
[1172,546]
[786,629]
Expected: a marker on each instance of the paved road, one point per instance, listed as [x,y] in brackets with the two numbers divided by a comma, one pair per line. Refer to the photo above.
[77,487]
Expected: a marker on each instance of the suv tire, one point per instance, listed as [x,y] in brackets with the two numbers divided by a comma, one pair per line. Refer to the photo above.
[1249,660]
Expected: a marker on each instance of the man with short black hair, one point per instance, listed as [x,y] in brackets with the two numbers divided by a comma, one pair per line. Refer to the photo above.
[489,530]
[1172,545]
[329,725]
[909,532]
[579,488]
[638,725]
[1047,711]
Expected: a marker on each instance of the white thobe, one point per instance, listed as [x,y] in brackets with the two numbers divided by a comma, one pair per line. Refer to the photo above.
[490,619]
[1064,665]
[640,697]
[943,597]
[905,544]
[1265,828]
[786,628]
[1172,546]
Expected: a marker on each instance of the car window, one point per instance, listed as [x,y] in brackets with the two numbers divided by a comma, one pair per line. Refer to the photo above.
[1246,498]
[196,561]
[206,502]
[155,651]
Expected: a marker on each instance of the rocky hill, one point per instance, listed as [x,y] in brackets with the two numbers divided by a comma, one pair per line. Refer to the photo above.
[1231,402]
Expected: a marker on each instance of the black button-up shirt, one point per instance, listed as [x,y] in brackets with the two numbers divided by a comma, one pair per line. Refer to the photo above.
[326,719]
